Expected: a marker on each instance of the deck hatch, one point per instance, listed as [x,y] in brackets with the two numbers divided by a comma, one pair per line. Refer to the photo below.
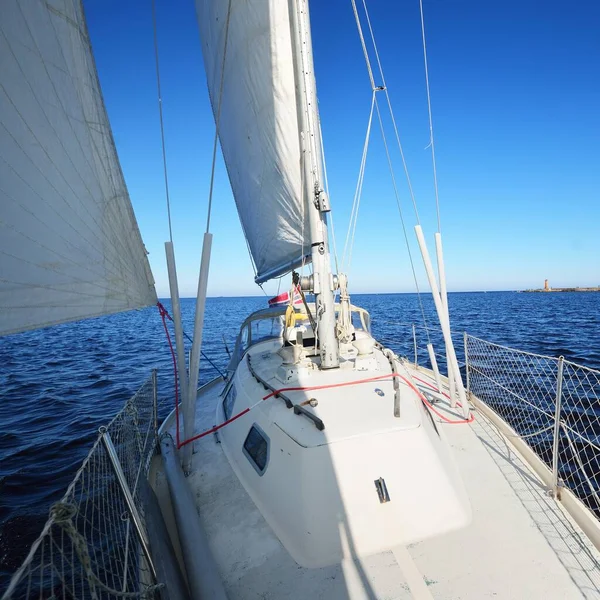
[382,491]
[229,401]
[256,449]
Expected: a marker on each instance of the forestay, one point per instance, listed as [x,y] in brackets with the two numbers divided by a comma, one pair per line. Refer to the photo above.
[258,125]
[70,247]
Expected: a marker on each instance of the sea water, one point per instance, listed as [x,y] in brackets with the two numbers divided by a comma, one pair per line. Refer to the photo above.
[58,385]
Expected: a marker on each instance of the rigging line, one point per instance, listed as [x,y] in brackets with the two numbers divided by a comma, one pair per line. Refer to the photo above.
[356,195]
[358,192]
[160,114]
[360,173]
[218,117]
[431,143]
[362,179]
[189,338]
[368,62]
[412,264]
[389,103]
[364,46]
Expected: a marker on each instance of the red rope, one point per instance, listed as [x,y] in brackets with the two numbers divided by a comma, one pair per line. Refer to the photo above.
[333,385]
[430,406]
[274,393]
[164,314]
[216,427]
[433,387]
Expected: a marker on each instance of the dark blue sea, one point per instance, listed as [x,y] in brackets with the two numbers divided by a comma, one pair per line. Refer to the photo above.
[57,386]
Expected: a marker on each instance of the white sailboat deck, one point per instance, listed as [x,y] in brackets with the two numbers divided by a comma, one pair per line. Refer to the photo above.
[520,544]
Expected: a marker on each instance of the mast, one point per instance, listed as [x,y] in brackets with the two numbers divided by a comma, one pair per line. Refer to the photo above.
[316,200]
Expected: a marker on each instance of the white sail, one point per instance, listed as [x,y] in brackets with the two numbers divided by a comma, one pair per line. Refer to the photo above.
[258,126]
[70,247]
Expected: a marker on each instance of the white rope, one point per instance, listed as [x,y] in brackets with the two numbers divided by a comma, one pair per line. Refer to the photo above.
[218,119]
[347,256]
[431,143]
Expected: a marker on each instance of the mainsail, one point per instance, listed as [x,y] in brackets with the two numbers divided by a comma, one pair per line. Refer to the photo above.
[258,125]
[70,247]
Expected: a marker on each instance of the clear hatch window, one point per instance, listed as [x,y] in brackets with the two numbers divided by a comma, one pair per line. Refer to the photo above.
[264,329]
[361,320]
[229,402]
[256,449]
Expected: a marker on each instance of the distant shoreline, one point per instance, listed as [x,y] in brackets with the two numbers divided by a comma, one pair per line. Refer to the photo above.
[575,289]
[580,289]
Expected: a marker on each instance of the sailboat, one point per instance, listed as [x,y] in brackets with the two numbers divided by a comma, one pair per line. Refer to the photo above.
[322,465]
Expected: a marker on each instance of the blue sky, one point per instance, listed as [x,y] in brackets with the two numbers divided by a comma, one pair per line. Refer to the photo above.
[515,91]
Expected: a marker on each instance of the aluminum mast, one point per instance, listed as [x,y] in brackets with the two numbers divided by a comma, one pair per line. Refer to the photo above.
[316,200]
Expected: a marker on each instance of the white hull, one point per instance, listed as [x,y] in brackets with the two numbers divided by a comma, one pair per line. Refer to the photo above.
[519,544]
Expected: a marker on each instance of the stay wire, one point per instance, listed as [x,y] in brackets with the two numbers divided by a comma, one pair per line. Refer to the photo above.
[165,313]
[363,44]
[160,113]
[397,195]
[389,103]
[218,118]
[348,246]
[431,142]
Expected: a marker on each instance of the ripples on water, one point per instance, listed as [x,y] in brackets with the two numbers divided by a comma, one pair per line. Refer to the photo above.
[57,386]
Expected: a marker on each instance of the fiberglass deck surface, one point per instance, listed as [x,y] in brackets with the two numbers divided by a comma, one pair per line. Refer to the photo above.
[520,544]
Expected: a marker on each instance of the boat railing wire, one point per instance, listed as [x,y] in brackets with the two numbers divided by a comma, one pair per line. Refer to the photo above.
[89,548]
[531,392]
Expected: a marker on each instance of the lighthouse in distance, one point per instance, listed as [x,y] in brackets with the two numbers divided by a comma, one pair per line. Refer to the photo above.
[547,288]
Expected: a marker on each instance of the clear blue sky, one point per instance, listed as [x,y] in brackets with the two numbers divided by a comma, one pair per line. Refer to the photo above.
[516,96]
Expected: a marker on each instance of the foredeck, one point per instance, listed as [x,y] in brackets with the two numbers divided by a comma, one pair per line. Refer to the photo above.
[520,544]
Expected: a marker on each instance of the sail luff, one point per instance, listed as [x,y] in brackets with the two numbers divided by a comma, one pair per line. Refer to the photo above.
[258,128]
[69,241]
